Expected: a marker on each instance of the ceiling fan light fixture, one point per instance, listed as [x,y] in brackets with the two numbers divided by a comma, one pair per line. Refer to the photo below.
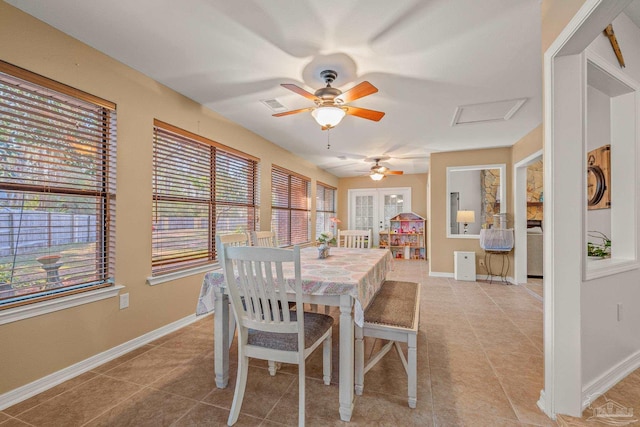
[376,176]
[328,116]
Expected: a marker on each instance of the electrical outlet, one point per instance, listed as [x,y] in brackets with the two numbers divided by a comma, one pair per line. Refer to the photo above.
[124,301]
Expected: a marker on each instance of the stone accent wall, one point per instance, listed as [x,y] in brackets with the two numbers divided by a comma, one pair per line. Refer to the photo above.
[535,187]
[489,188]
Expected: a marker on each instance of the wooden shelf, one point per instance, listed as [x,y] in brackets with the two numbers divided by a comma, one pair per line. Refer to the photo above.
[535,203]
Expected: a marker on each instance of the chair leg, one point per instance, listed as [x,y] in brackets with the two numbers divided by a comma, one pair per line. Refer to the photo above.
[274,367]
[301,396]
[326,360]
[232,328]
[412,363]
[241,383]
[359,360]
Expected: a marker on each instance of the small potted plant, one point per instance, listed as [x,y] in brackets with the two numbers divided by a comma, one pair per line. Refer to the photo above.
[325,238]
[599,249]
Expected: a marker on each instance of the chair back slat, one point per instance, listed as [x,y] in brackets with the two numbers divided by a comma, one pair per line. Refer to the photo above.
[258,289]
[361,239]
[233,239]
[264,238]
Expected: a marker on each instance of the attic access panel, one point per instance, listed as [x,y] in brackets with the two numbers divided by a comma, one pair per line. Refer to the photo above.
[487,111]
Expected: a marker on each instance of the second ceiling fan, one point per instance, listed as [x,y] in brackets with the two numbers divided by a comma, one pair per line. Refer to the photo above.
[331,102]
[378,171]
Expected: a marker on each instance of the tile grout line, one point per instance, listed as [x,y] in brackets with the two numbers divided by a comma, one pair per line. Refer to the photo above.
[493,368]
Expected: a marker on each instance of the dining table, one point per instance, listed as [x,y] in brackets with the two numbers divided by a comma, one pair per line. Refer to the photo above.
[347,278]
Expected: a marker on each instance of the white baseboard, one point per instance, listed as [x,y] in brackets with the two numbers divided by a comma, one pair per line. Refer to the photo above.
[440,274]
[478,276]
[610,378]
[38,386]
[542,404]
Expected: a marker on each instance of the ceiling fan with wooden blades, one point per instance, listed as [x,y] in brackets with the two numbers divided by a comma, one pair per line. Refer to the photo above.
[379,171]
[331,102]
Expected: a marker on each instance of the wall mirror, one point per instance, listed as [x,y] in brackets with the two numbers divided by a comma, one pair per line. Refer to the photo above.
[474,195]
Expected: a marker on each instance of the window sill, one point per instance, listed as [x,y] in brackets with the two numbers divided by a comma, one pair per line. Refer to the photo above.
[39,308]
[168,277]
[608,266]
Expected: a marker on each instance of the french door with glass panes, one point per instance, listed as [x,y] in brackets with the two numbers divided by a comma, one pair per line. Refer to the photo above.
[372,208]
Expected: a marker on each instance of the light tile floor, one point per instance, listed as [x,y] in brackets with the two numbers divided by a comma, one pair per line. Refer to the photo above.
[480,363]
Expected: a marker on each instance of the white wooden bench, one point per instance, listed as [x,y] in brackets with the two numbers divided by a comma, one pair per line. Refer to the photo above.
[393,314]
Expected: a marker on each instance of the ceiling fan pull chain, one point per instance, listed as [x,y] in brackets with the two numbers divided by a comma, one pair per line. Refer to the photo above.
[328,138]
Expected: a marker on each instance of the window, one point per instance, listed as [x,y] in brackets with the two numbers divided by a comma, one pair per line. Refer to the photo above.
[57,189]
[290,206]
[200,188]
[325,208]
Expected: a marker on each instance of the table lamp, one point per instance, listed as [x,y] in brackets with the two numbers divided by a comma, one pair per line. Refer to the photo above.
[466,217]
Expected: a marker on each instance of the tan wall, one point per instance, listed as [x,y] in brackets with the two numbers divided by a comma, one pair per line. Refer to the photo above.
[417,182]
[440,248]
[528,145]
[42,345]
[556,14]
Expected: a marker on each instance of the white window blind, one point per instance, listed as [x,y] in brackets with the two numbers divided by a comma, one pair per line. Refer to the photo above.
[200,188]
[325,208]
[290,212]
[57,189]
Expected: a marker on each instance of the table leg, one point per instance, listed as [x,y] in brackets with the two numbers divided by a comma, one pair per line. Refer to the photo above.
[221,338]
[359,363]
[346,357]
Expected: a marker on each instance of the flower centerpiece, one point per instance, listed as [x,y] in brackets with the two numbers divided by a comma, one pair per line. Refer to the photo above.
[601,248]
[325,238]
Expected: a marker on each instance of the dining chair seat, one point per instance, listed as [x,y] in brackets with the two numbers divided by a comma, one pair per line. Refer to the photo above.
[315,325]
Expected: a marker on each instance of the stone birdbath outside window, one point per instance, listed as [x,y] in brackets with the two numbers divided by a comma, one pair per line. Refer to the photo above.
[51,265]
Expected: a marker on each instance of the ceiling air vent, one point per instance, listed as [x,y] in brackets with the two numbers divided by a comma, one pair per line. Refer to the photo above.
[274,105]
[486,112]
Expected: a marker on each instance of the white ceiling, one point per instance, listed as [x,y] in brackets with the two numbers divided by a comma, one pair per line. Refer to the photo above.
[425,57]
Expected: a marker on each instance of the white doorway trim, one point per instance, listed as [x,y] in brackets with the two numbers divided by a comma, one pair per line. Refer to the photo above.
[562,392]
[520,215]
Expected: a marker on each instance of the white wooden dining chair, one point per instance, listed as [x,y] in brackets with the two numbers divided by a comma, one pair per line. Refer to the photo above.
[238,239]
[268,239]
[257,289]
[355,239]
[224,240]
[264,238]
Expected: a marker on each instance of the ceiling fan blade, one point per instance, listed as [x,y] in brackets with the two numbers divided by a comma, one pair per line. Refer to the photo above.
[358,91]
[393,172]
[287,113]
[365,114]
[299,91]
